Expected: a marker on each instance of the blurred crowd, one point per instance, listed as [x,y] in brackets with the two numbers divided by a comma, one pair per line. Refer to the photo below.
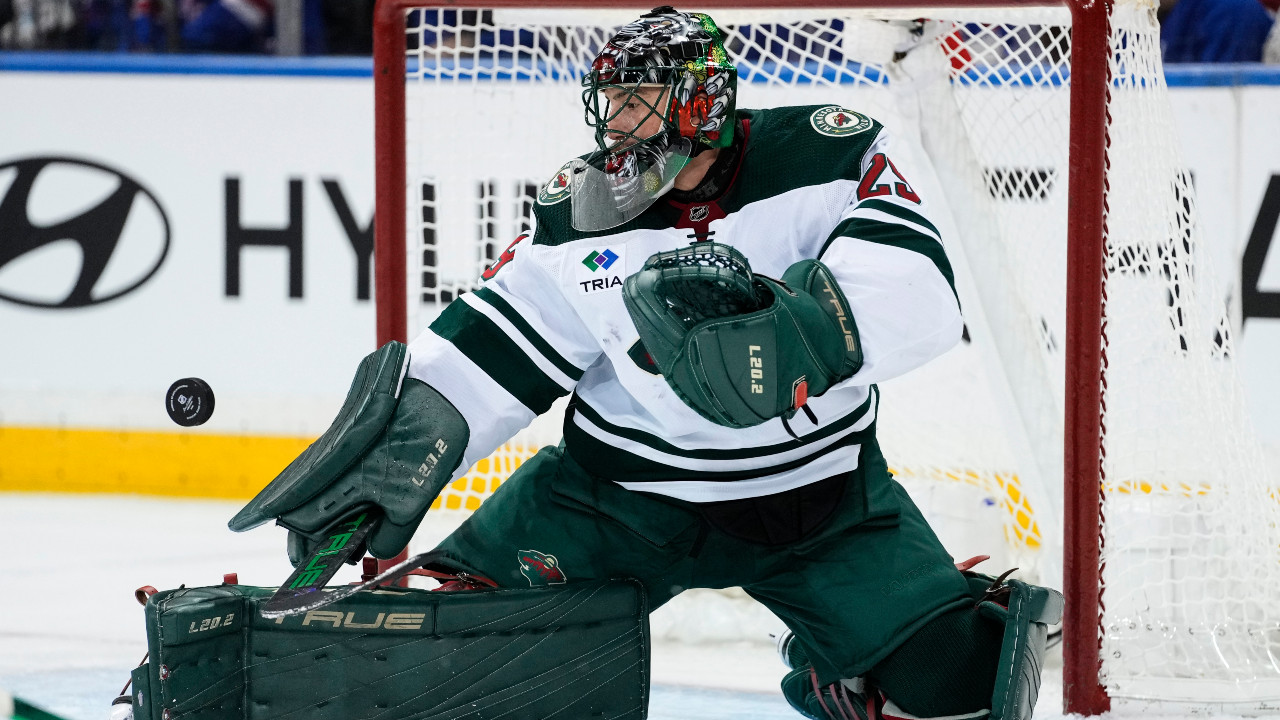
[328,27]
[1191,30]
[1208,31]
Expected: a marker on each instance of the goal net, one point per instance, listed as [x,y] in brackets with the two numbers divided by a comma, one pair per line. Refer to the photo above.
[1180,572]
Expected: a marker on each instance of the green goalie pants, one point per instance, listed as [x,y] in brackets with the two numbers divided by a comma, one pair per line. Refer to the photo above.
[853,590]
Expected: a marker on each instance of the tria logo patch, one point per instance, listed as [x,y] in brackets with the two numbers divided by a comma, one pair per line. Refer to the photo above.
[540,569]
[557,188]
[600,270]
[835,121]
[597,260]
[597,284]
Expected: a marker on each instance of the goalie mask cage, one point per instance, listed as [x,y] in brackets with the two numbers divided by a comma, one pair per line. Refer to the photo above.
[1097,349]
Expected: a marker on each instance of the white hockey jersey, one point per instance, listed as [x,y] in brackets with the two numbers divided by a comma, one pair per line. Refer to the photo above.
[813,182]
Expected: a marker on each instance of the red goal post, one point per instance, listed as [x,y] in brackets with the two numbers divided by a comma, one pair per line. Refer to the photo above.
[1085,295]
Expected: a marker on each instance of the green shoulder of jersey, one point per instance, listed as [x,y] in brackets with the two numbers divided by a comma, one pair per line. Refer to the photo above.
[802,146]
[553,208]
[556,190]
[836,121]
[788,148]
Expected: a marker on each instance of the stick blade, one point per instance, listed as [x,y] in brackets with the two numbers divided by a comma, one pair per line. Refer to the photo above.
[301,591]
[305,602]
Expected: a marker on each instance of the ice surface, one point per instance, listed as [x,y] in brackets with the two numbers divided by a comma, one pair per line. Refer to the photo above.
[70,629]
[85,695]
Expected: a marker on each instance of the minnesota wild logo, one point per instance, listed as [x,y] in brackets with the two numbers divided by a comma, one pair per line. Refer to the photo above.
[557,188]
[540,569]
[835,121]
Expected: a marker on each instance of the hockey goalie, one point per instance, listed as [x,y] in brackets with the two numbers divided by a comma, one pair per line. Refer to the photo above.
[720,290]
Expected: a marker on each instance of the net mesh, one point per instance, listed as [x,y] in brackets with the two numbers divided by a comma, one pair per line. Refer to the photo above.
[1191,545]
[980,99]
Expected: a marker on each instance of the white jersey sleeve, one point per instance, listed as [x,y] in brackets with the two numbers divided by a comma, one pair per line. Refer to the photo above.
[889,260]
[502,354]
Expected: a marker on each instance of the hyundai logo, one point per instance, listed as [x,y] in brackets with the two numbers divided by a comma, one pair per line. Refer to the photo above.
[75,233]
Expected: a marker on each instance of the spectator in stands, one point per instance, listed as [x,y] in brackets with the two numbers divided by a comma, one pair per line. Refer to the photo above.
[123,25]
[238,26]
[348,27]
[1217,30]
[1271,51]
[246,26]
[34,24]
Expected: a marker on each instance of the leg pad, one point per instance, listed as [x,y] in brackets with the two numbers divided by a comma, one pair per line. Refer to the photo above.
[576,650]
[978,662]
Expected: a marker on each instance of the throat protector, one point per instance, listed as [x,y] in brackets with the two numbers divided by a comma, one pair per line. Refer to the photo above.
[610,189]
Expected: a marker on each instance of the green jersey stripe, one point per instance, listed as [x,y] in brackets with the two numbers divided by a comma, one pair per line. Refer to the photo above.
[884,233]
[501,305]
[657,443]
[486,346]
[898,211]
[601,458]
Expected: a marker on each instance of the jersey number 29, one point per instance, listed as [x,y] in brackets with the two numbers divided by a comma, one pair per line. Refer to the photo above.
[872,187]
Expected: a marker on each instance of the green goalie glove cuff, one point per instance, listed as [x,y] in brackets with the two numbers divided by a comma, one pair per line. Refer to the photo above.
[842,349]
[739,349]
[394,446]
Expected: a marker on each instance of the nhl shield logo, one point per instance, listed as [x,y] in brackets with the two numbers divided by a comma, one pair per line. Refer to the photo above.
[557,188]
[835,121]
[540,569]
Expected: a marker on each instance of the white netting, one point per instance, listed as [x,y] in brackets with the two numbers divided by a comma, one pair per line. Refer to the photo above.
[1191,544]
[981,99]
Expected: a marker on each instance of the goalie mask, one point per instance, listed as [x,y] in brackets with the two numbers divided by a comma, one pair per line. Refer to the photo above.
[661,91]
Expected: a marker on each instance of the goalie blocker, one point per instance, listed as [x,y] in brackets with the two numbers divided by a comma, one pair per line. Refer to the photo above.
[578,650]
[393,446]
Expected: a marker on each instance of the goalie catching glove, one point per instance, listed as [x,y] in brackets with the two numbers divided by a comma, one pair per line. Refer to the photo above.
[740,348]
[394,446]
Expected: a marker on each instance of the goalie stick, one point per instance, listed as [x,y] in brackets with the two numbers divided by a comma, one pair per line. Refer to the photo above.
[301,590]
[431,564]
[304,590]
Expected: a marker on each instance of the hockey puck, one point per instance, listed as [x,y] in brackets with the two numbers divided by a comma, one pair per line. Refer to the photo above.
[189,402]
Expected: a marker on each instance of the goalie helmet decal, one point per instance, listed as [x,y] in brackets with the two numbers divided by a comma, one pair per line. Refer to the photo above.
[667,66]
[684,53]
